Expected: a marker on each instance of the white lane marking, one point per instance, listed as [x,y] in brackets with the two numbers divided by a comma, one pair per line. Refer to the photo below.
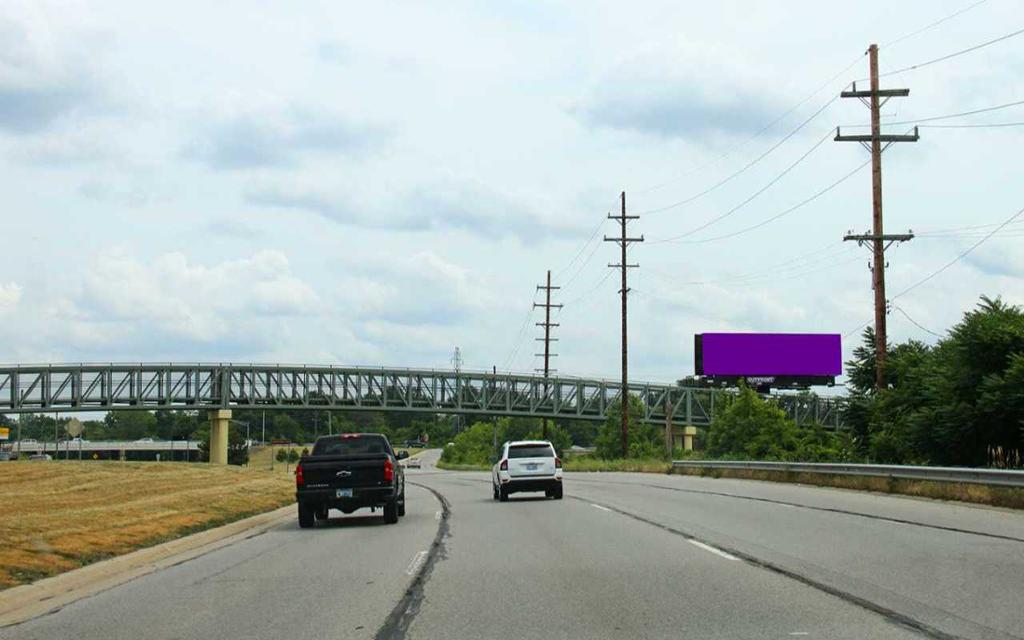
[437,515]
[717,552]
[416,561]
[597,506]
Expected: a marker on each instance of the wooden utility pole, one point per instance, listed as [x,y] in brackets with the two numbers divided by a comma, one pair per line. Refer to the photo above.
[877,239]
[547,324]
[623,265]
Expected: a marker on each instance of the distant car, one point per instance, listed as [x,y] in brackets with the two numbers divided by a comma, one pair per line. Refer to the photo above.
[40,456]
[144,441]
[5,456]
[412,463]
[414,444]
[527,465]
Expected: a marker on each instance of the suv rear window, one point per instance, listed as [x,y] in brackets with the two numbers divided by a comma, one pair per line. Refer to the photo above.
[531,451]
[348,446]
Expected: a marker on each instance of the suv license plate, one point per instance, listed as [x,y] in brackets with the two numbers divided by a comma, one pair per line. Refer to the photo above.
[343,493]
[532,466]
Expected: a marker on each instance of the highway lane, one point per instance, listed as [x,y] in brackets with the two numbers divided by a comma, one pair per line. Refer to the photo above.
[624,555]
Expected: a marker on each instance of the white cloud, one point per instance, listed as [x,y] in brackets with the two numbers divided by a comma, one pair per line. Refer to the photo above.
[193,301]
[10,296]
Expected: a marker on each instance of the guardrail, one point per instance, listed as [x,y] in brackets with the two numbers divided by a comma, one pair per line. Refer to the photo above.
[999,477]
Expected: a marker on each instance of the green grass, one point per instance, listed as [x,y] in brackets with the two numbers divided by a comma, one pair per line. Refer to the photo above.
[441,464]
[597,464]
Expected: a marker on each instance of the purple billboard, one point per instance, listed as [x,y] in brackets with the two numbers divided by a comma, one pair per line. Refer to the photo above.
[791,355]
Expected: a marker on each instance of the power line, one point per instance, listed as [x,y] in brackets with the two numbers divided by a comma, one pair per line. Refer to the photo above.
[916,323]
[746,166]
[582,265]
[956,231]
[509,360]
[781,214]
[589,291]
[932,25]
[950,116]
[952,55]
[582,248]
[767,186]
[959,257]
[991,125]
[757,134]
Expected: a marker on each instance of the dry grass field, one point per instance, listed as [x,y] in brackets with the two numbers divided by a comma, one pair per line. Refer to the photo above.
[61,515]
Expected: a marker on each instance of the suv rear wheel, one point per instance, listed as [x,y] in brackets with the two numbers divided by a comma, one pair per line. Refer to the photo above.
[503,494]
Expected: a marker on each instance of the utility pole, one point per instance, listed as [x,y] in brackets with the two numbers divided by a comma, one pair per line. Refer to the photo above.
[547,324]
[878,239]
[624,241]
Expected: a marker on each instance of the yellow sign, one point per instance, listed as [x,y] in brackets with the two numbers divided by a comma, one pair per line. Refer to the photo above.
[5,433]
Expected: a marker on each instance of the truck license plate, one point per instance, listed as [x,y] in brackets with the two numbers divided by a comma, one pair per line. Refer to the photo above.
[343,493]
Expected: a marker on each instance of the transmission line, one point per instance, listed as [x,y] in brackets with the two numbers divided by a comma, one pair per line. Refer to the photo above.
[915,322]
[959,257]
[757,134]
[746,166]
[781,214]
[767,186]
[952,55]
[932,25]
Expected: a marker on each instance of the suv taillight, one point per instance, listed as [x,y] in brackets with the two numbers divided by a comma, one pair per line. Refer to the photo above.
[299,480]
[504,465]
[389,470]
[558,463]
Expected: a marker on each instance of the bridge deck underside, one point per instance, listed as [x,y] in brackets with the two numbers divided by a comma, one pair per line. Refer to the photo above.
[198,387]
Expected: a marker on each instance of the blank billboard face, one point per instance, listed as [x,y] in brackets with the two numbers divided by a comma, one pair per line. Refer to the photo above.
[769,354]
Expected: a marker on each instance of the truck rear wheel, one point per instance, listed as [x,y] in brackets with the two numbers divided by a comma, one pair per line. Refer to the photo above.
[391,512]
[401,504]
[306,516]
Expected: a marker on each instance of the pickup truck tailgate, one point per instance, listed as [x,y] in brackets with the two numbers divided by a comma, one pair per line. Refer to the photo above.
[338,472]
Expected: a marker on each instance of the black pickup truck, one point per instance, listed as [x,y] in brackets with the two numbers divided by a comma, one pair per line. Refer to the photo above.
[348,472]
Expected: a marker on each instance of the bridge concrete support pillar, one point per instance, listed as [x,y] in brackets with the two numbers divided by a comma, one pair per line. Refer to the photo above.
[220,421]
[688,435]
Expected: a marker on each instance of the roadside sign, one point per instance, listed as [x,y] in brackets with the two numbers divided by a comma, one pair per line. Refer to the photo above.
[5,433]
[74,427]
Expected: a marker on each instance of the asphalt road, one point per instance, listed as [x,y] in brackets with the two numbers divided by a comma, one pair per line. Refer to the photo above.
[623,556]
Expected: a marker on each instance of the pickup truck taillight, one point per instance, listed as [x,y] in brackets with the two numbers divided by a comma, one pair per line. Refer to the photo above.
[299,480]
[504,465]
[558,463]
[389,470]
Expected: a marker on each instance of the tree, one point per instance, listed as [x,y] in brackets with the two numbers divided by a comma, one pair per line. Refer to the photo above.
[644,438]
[281,455]
[752,428]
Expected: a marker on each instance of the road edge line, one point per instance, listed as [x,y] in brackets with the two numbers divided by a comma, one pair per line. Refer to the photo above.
[26,602]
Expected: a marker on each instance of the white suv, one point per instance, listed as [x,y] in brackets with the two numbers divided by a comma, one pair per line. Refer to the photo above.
[527,465]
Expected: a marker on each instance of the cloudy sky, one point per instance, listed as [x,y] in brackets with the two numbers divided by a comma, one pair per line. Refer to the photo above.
[376,183]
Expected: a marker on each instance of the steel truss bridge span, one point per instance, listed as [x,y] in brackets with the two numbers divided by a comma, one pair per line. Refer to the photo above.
[119,387]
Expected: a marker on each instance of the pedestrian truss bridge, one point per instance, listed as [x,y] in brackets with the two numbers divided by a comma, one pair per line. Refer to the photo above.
[123,387]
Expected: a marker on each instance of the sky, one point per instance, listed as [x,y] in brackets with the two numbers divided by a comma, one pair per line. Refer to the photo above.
[378,183]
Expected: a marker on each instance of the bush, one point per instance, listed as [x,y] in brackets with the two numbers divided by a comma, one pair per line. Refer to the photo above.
[281,455]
